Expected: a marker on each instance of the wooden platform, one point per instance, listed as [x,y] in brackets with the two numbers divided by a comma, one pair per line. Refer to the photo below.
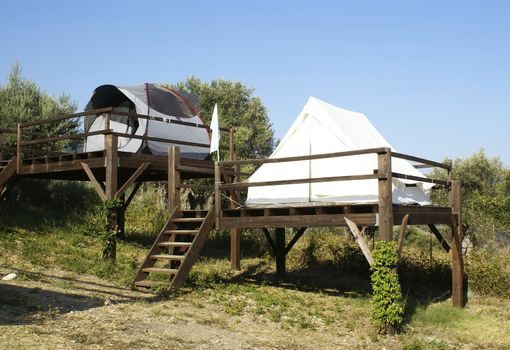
[69,167]
[330,216]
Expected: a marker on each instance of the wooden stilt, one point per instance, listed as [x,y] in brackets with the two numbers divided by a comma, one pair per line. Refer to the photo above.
[458,295]
[401,238]
[174,179]
[280,252]
[385,196]
[360,240]
[111,161]
[235,249]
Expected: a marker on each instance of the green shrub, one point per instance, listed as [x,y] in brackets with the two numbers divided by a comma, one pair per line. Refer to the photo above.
[388,310]
[488,270]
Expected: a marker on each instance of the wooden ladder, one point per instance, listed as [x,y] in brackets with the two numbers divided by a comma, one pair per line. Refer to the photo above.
[176,248]
[7,171]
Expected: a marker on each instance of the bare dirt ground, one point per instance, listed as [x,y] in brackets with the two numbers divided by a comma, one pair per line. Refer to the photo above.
[59,310]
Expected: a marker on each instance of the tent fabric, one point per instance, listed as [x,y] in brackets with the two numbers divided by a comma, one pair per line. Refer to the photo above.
[153,100]
[323,128]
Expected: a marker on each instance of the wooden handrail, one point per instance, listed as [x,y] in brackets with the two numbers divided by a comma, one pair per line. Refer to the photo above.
[68,116]
[241,185]
[421,160]
[157,139]
[65,137]
[301,158]
[166,120]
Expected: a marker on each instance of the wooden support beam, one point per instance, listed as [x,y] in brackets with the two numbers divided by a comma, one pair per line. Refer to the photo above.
[360,240]
[19,152]
[458,295]
[132,194]
[97,186]
[385,195]
[439,237]
[294,239]
[280,252]
[217,193]
[111,165]
[132,179]
[269,240]
[174,178]
[401,238]
[111,160]
[235,249]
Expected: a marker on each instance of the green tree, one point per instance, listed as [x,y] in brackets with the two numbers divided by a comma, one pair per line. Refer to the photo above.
[238,108]
[485,193]
[21,101]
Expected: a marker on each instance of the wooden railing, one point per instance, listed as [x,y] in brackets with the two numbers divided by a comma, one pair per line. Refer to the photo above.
[228,178]
[38,139]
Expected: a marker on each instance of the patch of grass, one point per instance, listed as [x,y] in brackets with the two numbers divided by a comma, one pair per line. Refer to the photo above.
[441,315]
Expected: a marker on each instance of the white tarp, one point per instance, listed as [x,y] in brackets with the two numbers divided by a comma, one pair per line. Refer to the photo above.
[153,100]
[324,128]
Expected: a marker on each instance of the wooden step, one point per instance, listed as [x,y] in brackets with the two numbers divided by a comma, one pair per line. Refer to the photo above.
[150,284]
[181,232]
[160,270]
[186,220]
[174,244]
[167,256]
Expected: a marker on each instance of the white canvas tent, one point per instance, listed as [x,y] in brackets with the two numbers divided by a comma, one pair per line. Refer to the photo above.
[153,100]
[324,128]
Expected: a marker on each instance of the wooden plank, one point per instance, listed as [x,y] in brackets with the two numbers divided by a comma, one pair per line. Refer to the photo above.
[60,138]
[111,165]
[294,239]
[440,237]
[367,219]
[297,181]
[385,196]
[420,160]
[194,250]
[403,230]
[132,179]
[174,180]
[19,153]
[217,195]
[269,239]
[454,198]
[97,186]
[280,252]
[168,121]
[353,227]
[300,158]
[163,140]
[419,178]
[67,116]
[132,194]
[155,249]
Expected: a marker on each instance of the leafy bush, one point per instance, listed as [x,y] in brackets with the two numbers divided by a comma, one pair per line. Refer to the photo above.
[488,270]
[388,310]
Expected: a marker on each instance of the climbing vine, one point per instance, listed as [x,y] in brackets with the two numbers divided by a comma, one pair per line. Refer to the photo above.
[387,301]
[104,228]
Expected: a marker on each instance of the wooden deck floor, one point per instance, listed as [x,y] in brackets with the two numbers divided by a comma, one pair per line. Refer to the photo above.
[330,216]
[68,166]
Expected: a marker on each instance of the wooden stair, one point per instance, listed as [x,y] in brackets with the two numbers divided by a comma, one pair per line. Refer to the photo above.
[176,248]
[7,172]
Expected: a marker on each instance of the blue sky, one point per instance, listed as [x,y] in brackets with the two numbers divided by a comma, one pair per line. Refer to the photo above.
[432,76]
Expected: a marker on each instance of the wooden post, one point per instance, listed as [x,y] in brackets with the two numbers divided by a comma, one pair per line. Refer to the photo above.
[19,154]
[111,165]
[121,217]
[174,179]
[454,199]
[217,194]
[385,196]
[280,252]
[235,233]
